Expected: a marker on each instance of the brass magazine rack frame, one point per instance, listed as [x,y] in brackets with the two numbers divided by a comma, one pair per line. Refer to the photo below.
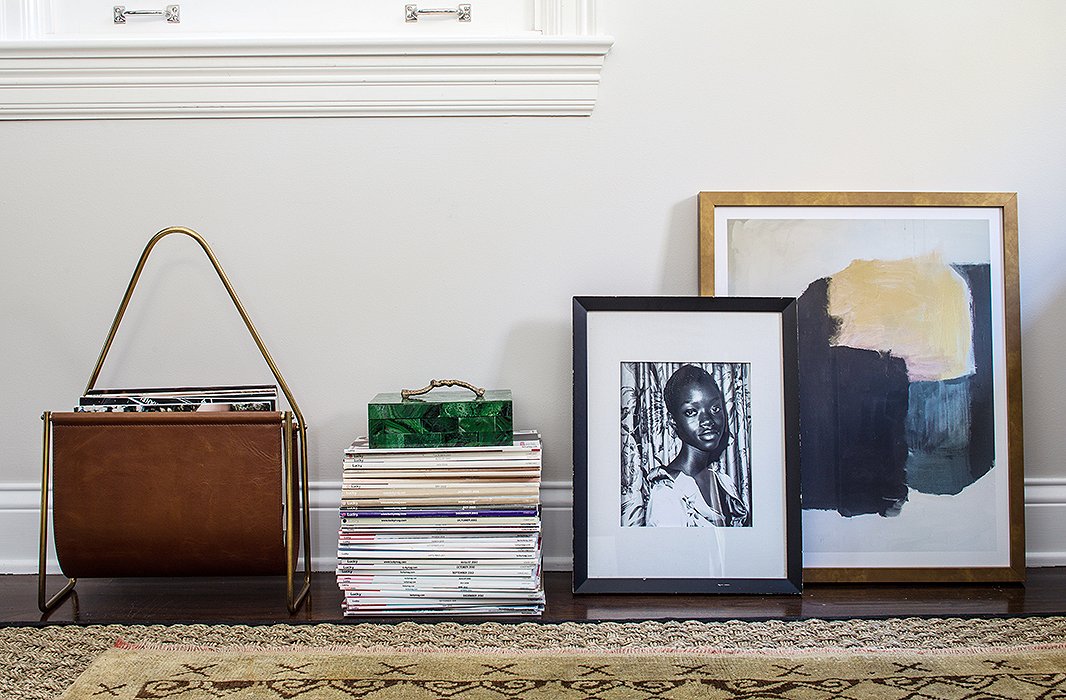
[293,447]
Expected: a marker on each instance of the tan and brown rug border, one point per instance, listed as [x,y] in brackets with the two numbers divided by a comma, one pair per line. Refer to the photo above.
[160,671]
[38,662]
[606,651]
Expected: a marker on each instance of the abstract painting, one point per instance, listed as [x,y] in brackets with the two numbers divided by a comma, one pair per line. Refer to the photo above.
[908,372]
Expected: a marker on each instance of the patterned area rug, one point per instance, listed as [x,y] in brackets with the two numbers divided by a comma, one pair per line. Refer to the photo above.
[341,674]
[811,659]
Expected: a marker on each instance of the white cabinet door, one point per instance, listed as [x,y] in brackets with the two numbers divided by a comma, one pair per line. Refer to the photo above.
[69,59]
[70,19]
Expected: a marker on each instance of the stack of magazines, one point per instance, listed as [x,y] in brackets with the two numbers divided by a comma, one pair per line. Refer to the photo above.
[248,397]
[441,531]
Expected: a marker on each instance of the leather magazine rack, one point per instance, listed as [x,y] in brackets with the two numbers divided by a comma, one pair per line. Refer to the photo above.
[176,494]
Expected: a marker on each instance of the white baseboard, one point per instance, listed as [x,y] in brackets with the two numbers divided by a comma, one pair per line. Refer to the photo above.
[20,526]
[1045,513]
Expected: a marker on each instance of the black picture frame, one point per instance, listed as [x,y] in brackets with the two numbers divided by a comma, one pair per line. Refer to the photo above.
[653,335]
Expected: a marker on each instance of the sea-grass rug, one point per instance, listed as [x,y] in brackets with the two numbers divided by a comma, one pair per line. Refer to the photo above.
[803,660]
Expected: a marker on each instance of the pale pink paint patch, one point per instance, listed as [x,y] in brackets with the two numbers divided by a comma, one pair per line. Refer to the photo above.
[918,309]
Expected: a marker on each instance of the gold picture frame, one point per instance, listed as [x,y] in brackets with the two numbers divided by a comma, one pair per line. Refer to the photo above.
[768,244]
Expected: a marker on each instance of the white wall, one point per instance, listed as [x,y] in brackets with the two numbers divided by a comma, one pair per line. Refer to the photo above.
[376,254]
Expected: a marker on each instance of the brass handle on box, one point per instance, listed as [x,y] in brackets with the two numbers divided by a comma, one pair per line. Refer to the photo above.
[434,383]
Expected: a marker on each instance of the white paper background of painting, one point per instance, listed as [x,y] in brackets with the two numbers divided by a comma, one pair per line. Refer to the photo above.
[708,552]
[967,530]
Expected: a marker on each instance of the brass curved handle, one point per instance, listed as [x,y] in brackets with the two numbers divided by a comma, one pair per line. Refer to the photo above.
[233,297]
[434,383]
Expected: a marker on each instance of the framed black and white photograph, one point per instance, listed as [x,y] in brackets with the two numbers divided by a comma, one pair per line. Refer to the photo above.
[685,445]
[677,419]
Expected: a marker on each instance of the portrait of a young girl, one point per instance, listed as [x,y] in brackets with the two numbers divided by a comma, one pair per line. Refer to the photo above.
[685,431]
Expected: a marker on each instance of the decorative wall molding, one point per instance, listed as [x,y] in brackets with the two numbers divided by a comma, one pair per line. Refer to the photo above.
[547,74]
[25,19]
[1045,491]
[1045,511]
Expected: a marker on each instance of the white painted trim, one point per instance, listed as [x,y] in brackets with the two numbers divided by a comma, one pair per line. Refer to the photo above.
[1045,491]
[557,516]
[30,19]
[1045,500]
[554,74]
[25,19]
[17,496]
[1038,559]
[324,45]
[20,508]
[556,495]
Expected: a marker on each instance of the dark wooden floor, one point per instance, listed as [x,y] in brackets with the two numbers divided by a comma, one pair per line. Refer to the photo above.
[262,600]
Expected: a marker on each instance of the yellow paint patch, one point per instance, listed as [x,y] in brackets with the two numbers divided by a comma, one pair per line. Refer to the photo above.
[918,309]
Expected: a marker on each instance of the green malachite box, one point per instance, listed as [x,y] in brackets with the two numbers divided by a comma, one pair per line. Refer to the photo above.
[441,419]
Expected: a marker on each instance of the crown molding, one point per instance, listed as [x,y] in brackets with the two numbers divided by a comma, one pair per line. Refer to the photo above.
[139,78]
